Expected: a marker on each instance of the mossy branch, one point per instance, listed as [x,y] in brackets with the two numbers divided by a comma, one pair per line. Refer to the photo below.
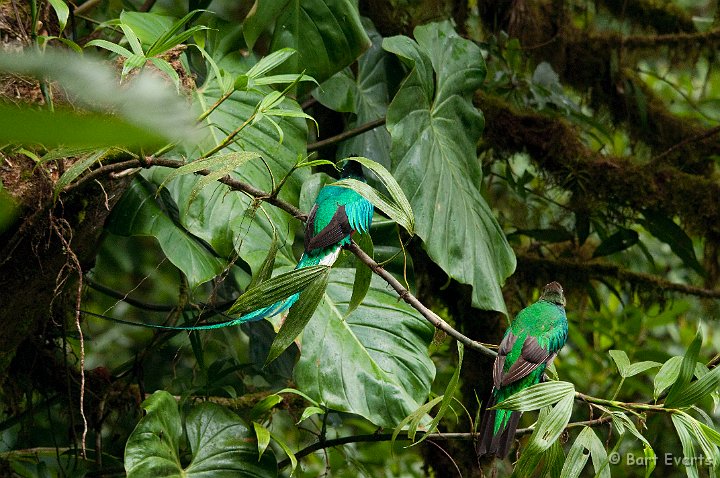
[578,271]
[603,180]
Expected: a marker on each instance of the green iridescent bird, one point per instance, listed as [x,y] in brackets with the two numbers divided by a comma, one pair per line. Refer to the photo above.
[531,342]
[337,213]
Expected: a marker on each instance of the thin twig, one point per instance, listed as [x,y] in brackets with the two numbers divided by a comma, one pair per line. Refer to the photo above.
[346,134]
[405,295]
[693,139]
[438,436]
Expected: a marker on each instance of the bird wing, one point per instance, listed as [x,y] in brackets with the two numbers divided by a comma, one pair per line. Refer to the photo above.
[531,357]
[505,347]
[337,229]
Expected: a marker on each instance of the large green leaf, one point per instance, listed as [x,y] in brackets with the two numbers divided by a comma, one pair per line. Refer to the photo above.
[327,34]
[365,95]
[140,213]
[435,129]
[220,443]
[374,362]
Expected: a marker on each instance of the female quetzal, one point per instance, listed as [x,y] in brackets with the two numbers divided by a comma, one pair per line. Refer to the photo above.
[531,342]
[336,214]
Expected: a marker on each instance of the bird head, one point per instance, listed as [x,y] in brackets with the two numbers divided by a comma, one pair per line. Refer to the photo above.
[352,169]
[553,292]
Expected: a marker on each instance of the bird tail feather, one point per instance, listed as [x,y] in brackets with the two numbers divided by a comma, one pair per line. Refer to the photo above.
[498,442]
[259,314]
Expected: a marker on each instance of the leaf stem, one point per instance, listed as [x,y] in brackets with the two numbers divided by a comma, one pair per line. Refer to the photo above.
[220,101]
[229,139]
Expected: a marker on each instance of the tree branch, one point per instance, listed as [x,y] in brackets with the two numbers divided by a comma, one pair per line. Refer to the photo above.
[378,437]
[599,180]
[346,134]
[580,271]
[405,295]
[295,212]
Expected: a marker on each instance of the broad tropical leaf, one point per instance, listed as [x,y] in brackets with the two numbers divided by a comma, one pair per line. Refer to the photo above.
[220,443]
[374,362]
[327,34]
[435,162]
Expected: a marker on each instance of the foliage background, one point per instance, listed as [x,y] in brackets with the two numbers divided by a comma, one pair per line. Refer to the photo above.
[560,140]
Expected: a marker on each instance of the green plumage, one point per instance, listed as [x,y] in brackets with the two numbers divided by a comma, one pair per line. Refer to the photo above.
[337,213]
[531,342]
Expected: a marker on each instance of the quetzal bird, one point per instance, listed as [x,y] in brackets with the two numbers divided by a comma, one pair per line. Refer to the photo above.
[337,213]
[531,342]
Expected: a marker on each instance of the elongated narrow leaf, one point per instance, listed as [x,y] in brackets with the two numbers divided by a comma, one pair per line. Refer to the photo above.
[62,11]
[218,161]
[264,406]
[576,458]
[555,422]
[113,47]
[363,274]
[708,446]
[435,129]
[263,438]
[621,240]
[449,394]
[132,40]
[166,68]
[537,396]
[553,460]
[621,360]
[698,389]
[667,375]
[177,33]
[685,435]
[308,412]
[687,368]
[665,229]
[587,444]
[378,200]
[549,427]
[268,264]
[413,421]
[300,314]
[640,367]
[269,62]
[598,453]
[277,288]
[393,188]
[74,171]
[287,450]
[279,80]
[373,363]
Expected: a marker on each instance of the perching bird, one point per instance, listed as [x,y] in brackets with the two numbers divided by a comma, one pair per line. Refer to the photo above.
[531,342]
[336,214]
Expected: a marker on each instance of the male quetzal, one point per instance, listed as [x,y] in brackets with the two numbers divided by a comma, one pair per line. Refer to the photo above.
[531,342]
[336,214]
